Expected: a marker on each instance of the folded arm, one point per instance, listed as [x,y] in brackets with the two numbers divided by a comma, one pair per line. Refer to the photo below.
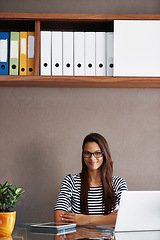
[82,219]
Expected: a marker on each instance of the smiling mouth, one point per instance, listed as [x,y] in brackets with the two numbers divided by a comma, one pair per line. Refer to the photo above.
[92,163]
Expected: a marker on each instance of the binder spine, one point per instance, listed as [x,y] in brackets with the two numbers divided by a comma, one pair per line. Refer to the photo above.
[14,53]
[46,53]
[78,53]
[68,53]
[100,54]
[23,53]
[110,53]
[31,43]
[57,53]
[89,56]
[4,52]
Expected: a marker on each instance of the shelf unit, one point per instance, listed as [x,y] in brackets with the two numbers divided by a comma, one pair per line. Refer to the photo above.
[74,22]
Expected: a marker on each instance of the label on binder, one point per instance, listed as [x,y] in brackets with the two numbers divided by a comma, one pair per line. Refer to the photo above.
[31,47]
[23,46]
[3,50]
[14,49]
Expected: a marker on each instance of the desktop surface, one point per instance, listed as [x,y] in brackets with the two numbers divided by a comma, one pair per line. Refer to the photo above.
[23,232]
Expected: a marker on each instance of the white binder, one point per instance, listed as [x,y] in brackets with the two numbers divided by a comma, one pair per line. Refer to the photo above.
[100,54]
[89,53]
[56,53]
[110,53]
[78,53]
[137,48]
[46,52]
[68,53]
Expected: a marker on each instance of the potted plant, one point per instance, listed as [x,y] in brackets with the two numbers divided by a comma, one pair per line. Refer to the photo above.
[9,194]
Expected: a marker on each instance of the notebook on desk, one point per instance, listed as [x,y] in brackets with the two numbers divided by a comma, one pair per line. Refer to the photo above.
[138,211]
[53,228]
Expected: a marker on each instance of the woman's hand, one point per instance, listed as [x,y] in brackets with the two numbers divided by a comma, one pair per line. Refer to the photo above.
[79,219]
[82,219]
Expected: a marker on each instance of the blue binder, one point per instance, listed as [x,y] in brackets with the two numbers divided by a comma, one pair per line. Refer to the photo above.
[4,52]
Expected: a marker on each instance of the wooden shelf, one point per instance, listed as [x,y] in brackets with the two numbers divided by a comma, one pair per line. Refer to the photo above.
[90,17]
[41,21]
[79,82]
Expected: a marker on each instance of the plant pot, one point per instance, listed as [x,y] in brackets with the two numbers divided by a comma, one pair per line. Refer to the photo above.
[7,222]
[6,238]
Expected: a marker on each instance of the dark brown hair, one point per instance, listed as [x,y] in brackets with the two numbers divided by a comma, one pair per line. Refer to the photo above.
[106,175]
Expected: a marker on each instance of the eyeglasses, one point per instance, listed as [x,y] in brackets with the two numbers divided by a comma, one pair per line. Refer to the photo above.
[95,154]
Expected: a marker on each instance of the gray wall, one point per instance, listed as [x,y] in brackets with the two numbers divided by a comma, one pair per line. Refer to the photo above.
[42,129]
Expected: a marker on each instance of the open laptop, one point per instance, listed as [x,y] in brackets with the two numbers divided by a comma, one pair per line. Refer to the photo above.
[141,235]
[138,211]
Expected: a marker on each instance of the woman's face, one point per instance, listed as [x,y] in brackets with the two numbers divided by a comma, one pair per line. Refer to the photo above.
[95,161]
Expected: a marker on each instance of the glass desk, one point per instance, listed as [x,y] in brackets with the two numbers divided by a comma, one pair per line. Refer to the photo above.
[23,232]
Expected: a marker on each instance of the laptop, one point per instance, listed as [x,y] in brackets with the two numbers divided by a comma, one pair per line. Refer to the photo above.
[138,211]
[141,235]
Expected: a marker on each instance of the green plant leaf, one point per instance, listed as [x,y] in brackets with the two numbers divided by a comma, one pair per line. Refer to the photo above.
[5,184]
[11,189]
[4,189]
[14,187]
[8,196]
[18,190]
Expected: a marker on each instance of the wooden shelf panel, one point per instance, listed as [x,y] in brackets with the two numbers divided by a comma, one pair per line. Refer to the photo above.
[79,82]
[91,17]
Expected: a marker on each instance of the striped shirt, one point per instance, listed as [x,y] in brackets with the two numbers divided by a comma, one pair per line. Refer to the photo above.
[70,195]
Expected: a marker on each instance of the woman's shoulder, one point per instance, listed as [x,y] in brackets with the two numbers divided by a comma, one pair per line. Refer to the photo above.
[73,177]
[117,178]
[118,181]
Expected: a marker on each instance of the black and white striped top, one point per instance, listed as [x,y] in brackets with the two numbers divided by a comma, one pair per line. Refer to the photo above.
[70,195]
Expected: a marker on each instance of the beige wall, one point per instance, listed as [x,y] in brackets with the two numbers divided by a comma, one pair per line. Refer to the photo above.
[82,6]
[42,129]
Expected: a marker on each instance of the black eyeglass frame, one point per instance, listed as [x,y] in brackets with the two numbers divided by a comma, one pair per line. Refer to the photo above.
[93,154]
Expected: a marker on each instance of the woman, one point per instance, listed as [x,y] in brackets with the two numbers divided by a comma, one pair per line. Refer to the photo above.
[94,194]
